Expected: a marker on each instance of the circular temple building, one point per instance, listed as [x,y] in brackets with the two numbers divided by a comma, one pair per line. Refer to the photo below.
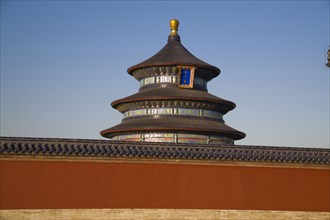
[173,103]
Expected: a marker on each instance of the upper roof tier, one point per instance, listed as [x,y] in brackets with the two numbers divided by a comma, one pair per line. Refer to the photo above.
[174,53]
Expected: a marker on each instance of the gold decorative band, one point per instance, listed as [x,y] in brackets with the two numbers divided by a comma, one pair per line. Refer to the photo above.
[175,138]
[173,111]
[170,79]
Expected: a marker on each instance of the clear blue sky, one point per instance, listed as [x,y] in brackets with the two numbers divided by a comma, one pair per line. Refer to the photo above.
[64,62]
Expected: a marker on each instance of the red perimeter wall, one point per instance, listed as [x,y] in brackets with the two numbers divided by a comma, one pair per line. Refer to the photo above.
[63,184]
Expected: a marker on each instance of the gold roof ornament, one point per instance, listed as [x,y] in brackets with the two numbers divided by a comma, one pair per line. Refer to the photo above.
[174,26]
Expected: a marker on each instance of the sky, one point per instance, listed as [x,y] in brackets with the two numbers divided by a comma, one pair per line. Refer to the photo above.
[64,62]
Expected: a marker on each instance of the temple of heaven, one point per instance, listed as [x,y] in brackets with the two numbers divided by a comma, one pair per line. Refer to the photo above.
[173,104]
[172,157]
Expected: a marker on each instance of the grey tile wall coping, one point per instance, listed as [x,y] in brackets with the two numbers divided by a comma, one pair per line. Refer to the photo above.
[110,148]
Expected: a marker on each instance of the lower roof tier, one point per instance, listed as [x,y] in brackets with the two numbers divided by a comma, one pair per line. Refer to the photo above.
[190,125]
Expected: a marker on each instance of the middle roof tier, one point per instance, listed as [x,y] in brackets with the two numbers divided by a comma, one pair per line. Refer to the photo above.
[167,96]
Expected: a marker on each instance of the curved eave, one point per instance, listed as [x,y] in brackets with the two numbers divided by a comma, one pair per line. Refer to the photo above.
[181,125]
[215,70]
[175,93]
[174,53]
[116,103]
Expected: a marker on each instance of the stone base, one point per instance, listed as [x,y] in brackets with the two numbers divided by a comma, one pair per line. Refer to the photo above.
[168,214]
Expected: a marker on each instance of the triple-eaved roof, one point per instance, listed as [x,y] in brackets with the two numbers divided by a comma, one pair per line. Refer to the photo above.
[173,80]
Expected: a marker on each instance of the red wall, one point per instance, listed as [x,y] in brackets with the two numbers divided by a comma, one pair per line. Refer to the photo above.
[62,184]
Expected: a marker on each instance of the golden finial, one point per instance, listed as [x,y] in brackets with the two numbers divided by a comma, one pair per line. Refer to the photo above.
[174,26]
